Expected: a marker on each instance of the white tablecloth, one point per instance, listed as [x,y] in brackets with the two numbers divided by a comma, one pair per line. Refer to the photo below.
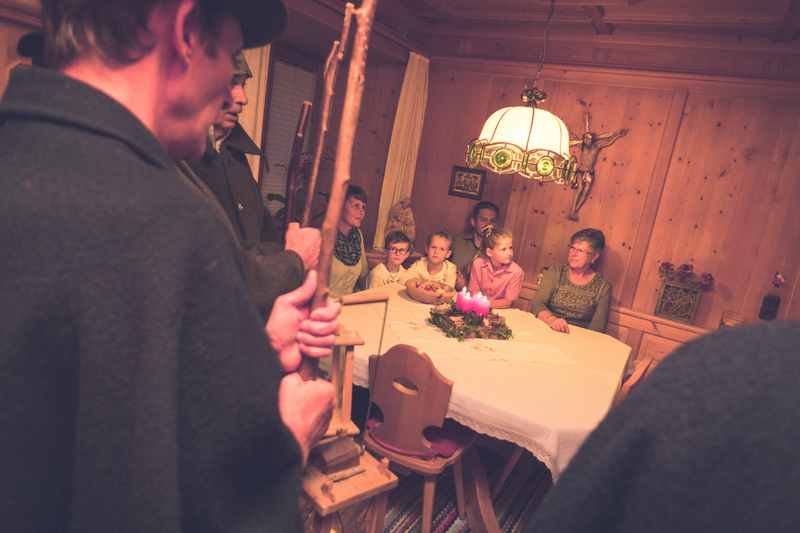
[543,390]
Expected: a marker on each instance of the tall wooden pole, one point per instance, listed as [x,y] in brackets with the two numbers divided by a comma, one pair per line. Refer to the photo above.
[331,71]
[344,155]
[295,161]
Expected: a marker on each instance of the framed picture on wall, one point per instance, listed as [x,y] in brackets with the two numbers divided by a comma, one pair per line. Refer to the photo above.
[467,182]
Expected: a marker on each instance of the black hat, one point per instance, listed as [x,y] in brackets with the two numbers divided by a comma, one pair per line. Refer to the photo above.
[262,20]
[32,45]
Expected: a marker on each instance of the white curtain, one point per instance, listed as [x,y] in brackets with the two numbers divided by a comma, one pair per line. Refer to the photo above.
[252,117]
[401,163]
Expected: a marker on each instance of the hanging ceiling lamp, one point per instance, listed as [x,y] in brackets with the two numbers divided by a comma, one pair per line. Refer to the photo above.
[526,140]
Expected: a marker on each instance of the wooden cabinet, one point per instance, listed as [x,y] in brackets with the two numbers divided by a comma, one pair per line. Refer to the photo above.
[650,337]
[656,348]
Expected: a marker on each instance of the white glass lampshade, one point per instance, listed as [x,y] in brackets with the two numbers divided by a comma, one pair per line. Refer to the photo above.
[529,128]
[524,140]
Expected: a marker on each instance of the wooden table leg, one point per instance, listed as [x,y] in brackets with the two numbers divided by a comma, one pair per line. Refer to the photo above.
[376,513]
[480,512]
[458,475]
[512,461]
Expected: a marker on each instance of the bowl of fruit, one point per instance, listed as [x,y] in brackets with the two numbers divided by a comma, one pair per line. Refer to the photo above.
[429,292]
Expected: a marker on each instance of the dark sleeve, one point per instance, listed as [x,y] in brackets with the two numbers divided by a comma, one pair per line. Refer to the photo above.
[179,427]
[600,316]
[244,462]
[269,230]
[545,291]
[705,443]
[270,271]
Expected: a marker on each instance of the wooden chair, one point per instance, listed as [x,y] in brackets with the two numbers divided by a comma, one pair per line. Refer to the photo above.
[413,398]
[641,368]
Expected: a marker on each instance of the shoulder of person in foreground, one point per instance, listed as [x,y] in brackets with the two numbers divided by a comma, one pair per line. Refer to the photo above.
[701,445]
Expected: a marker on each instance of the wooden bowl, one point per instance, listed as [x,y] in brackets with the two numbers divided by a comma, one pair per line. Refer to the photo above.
[429,292]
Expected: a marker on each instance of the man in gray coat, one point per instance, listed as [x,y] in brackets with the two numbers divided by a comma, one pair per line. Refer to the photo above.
[139,390]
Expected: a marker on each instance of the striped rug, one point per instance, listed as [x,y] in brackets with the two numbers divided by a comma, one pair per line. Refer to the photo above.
[520,496]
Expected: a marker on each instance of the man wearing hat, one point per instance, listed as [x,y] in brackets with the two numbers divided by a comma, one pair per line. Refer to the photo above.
[139,390]
[270,268]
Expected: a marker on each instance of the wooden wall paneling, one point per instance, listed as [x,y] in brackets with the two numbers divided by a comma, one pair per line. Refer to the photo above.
[789,148]
[746,138]
[655,348]
[371,147]
[454,116]
[638,247]
[792,302]
[721,208]
[762,198]
[621,77]
[671,209]
[623,179]
[705,201]
[779,188]
[381,95]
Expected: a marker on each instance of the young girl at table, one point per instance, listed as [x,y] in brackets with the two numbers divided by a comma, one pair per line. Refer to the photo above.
[494,272]
[435,266]
[398,248]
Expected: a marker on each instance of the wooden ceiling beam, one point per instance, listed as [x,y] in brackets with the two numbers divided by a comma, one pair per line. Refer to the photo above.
[582,3]
[790,28]
[595,15]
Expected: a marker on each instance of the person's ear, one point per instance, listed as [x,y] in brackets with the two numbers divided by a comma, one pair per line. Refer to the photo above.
[449,253]
[184,35]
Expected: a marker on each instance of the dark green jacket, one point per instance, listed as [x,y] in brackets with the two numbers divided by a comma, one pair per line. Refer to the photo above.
[138,389]
[271,270]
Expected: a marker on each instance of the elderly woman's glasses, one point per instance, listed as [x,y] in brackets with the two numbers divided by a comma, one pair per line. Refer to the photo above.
[579,251]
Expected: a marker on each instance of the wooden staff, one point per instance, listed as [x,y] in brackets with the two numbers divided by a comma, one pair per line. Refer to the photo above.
[295,161]
[344,156]
[330,73]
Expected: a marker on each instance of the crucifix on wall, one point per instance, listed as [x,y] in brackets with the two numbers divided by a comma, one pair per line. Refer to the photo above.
[591,143]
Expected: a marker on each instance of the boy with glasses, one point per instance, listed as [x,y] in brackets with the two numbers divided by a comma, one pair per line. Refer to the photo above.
[398,248]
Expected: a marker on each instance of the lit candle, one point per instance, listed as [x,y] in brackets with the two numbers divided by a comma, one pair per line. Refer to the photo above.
[480,305]
[464,301]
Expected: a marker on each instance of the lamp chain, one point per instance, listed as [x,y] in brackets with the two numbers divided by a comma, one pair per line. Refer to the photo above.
[546,38]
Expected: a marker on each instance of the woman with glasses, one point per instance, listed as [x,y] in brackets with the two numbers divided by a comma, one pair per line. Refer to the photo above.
[575,293]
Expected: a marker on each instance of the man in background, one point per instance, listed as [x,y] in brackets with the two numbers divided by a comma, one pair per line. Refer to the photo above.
[271,268]
[139,390]
[467,247]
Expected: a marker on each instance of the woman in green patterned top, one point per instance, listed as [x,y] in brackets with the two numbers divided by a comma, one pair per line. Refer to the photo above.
[575,293]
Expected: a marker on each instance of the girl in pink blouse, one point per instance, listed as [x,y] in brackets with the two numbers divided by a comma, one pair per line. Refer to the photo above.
[494,272]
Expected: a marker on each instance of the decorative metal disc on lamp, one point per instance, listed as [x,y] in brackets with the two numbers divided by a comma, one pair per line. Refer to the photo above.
[525,140]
